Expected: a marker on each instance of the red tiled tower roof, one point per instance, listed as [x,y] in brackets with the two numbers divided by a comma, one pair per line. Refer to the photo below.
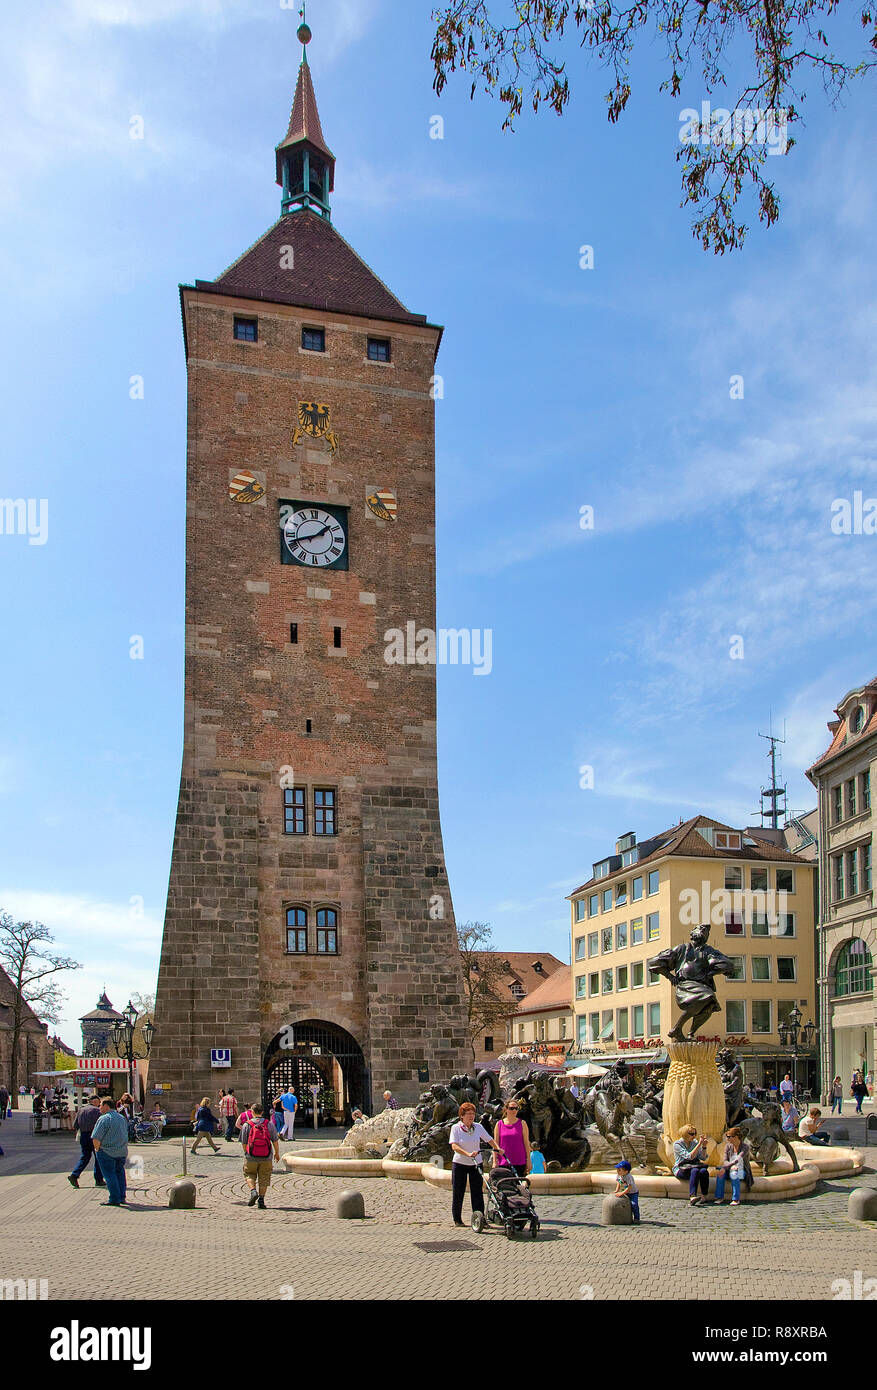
[304,120]
[326,273]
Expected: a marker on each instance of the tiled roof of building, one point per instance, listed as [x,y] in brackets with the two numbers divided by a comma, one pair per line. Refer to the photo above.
[686,841]
[554,993]
[522,972]
[839,727]
[326,273]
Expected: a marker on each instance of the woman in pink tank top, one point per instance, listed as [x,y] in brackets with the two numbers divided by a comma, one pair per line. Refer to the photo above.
[513,1137]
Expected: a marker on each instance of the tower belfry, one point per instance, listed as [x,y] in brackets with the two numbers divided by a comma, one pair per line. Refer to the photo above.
[309,934]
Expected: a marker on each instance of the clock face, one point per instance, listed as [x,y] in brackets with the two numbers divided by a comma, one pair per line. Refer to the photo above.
[313,535]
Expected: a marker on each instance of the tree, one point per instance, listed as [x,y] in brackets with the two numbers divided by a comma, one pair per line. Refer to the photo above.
[780,42]
[145,1006]
[30,969]
[483,973]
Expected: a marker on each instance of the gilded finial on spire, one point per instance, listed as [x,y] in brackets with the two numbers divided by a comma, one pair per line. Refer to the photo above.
[304,32]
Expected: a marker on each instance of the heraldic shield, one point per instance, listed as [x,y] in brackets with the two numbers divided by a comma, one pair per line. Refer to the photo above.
[314,421]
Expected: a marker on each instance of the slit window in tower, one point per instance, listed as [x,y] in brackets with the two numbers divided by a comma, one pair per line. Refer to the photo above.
[308,726]
[337,636]
[313,339]
[324,811]
[293,634]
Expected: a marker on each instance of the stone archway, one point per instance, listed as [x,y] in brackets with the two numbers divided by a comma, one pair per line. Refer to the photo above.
[316,1052]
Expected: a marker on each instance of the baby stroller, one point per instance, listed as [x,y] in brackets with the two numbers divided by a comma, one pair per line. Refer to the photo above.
[509,1204]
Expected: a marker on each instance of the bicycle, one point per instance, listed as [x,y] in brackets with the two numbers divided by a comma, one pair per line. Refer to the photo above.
[146,1131]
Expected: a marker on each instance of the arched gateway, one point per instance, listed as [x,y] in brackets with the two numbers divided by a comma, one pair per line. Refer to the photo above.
[316,1053]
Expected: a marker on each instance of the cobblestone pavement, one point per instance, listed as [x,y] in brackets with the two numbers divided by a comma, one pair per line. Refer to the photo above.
[406,1248]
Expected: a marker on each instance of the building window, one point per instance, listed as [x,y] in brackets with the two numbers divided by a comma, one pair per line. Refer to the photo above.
[313,339]
[593,904]
[838,864]
[563,1027]
[654,1020]
[636,931]
[760,924]
[853,973]
[866,790]
[654,881]
[488,1043]
[607,900]
[336,637]
[594,1027]
[593,943]
[787,967]
[761,1019]
[327,932]
[293,633]
[636,975]
[866,868]
[838,795]
[786,924]
[734,924]
[295,811]
[733,878]
[621,977]
[580,948]
[760,968]
[735,1016]
[621,895]
[607,1030]
[581,1031]
[324,811]
[857,720]
[594,983]
[607,981]
[378,349]
[853,872]
[521,1033]
[638,1012]
[581,986]
[739,968]
[851,797]
[653,926]
[296,931]
[606,940]
[622,1024]
[785,880]
[636,890]
[620,936]
[580,909]
[758,880]
[246,330]
[653,978]
[727,839]
[541,1030]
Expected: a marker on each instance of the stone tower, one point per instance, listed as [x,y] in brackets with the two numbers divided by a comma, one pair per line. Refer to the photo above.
[309,928]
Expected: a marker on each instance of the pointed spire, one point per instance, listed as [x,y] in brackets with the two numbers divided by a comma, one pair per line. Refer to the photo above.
[305,164]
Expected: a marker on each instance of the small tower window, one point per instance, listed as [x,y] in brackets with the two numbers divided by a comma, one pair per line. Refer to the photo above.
[313,339]
[327,931]
[246,330]
[297,931]
[295,811]
[337,636]
[378,349]
[324,811]
[293,633]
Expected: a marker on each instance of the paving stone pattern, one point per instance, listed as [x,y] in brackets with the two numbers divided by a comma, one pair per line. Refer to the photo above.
[406,1249]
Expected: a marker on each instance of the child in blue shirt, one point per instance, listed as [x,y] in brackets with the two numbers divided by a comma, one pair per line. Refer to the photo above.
[625,1186]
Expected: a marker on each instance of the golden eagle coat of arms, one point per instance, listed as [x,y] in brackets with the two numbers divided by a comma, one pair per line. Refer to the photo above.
[314,421]
[383,504]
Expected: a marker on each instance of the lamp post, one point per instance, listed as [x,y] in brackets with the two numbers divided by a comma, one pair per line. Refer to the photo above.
[123,1039]
[790,1032]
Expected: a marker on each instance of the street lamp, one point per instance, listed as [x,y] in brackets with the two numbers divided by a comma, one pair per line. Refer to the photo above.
[789,1033]
[123,1039]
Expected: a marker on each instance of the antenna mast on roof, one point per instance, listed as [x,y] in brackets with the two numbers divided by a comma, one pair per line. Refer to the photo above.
[774,811]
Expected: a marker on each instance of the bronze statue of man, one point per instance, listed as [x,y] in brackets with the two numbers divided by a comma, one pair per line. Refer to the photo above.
[691,969]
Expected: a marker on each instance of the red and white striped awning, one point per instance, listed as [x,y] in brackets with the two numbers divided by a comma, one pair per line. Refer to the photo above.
[95,1064]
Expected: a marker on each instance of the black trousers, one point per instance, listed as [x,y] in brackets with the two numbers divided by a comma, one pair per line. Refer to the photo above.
[461,1174]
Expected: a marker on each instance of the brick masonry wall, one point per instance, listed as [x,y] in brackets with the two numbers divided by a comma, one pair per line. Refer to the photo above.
[225,977]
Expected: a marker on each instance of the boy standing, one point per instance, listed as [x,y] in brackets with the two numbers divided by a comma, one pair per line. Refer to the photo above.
[259,1137]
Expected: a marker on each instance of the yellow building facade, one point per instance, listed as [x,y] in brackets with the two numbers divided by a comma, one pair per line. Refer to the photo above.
[647,897]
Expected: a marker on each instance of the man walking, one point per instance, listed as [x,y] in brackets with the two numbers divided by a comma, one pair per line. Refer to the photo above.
[84,1124]
[259,1137]
[228,1111]
[289,1101]
[110,1140]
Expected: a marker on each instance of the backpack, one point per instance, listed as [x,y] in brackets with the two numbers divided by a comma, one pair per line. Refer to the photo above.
[258,1142]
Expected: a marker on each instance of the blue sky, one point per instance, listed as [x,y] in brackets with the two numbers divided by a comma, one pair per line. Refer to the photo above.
[563,388]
